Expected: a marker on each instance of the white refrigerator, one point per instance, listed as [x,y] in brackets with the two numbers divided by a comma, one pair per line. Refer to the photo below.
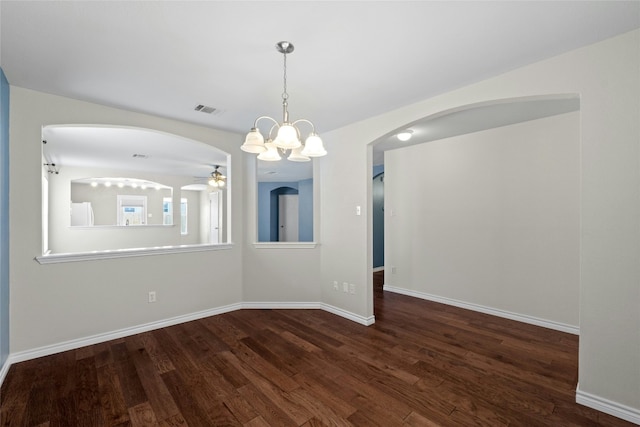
[81,214]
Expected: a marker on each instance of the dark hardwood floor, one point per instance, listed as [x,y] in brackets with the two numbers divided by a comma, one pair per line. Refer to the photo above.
[421,364]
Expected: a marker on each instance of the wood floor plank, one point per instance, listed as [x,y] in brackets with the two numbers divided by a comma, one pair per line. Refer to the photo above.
[41,396]
[269,412]
[114,408]
[257,422]
[322,414]
[192,413]
[416,420]
[15,394]
[322,388]
[131,386]
[142,415]
[283,400]
[240,409]
[254,367]
[269,356]
[174,421]
[86,394]
[161,361]
[421,364]
[159,398]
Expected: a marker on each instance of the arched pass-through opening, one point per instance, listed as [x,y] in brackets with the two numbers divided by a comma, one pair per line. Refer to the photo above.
[457,121]
[94,166]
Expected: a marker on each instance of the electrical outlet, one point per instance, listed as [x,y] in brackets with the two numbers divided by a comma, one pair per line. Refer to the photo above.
[335,285]
[152,296]
[345,287]
[352,288]
[393,270]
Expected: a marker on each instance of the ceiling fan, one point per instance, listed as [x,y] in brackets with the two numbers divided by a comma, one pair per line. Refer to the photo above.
[216,179]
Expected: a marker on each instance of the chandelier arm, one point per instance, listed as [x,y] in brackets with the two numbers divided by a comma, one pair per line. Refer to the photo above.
[255,123]
[313,128]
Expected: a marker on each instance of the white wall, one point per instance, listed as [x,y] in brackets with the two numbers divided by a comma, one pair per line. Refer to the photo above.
[606,77]
[490,219]
[58,303]
[282,277]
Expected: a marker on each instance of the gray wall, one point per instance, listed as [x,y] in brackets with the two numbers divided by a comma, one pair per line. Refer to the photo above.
[492,219]
[63,303]
[87,299]
[4,220]
[606,77]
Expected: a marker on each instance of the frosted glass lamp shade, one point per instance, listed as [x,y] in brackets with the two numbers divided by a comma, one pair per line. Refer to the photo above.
[313,147]
[287,137]
[271,155]
[254,142]
[296,156]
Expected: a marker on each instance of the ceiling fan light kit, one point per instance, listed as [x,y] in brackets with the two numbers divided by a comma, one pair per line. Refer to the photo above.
[216,179]
[287,134]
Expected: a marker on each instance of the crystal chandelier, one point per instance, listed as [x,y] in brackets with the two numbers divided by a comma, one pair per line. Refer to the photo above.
[287,134]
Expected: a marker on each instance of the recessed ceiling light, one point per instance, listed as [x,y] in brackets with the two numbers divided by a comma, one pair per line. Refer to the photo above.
[405,135]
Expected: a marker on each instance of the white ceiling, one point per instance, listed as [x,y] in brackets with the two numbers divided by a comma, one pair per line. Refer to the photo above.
[353,59]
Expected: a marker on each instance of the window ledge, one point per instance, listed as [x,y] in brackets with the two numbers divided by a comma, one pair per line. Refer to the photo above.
[285,245]
[113,226]
[127,253]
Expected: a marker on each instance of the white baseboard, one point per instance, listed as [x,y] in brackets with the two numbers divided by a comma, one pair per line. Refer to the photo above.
[95,339]
[279,305]
[488,310]
[366,321]
[5,369]
[607,406]
[376,269]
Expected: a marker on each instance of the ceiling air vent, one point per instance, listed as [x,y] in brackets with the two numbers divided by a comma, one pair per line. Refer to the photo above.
[204,109]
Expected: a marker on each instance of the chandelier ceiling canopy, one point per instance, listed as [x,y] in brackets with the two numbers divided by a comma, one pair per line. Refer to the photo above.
[285,135]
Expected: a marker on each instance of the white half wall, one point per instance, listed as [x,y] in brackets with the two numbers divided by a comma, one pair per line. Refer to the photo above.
[65,302]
